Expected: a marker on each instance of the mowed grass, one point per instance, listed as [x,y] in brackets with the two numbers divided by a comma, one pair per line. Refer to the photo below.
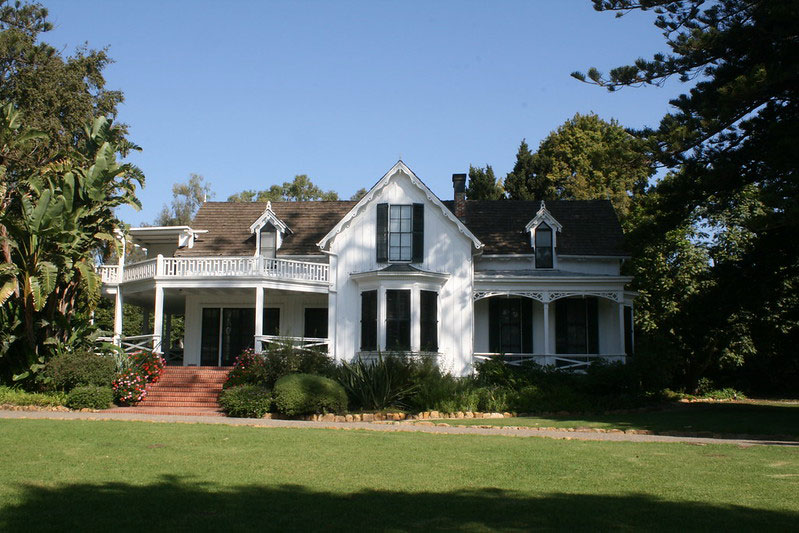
[123,476]
[750,418]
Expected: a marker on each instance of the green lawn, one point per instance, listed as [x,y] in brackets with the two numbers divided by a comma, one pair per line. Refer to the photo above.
[123,476]
[753,418]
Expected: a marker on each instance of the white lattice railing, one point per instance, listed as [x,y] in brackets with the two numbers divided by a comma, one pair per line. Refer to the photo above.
[141,270]
[108,273]
[136,343]
[263,342]
[560,361]
[202,267]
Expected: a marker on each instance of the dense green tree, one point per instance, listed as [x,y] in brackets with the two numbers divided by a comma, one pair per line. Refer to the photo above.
[522,183]
[54,218]
[589,158]
[731,137]
[357,195]
[483,185]
[186,200]
[57,95]
[301,189]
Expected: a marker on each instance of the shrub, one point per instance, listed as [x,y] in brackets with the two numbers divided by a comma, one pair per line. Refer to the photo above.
[443,392]
[388,382]
[494,399]
[130,387]
[70,369]
[90,397]
[302,394]
[11,396]
[278,361]
[246,401]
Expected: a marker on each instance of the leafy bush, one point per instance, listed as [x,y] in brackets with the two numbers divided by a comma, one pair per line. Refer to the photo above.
[90,397]
[71,369]
[440,391]
[278,361]
[246,401]
[388,382]
[494,399]
[301,394]
[130,387]
[11,396]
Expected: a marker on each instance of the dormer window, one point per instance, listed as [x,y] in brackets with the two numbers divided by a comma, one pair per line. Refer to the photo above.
[543,246]
[543,231]
[268,245]
[269,231]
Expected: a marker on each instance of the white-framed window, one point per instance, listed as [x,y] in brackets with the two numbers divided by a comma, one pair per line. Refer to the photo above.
[544,257]
[268,242]
[400,233]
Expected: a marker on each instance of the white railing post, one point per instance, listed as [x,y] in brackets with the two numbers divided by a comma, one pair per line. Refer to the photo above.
[159,265]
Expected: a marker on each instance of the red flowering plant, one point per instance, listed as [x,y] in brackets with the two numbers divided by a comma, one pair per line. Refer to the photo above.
[142,367]
[248,369]
[130,387]
[149,364]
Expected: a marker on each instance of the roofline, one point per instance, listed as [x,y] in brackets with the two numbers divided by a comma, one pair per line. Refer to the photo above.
[382,182]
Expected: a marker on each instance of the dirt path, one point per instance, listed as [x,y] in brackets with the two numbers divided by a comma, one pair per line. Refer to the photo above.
[389,427]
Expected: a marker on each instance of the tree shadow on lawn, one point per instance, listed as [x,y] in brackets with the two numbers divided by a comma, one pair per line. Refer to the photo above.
[176,504]
[730,419]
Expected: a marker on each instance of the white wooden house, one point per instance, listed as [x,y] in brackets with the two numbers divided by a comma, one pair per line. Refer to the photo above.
[399,270]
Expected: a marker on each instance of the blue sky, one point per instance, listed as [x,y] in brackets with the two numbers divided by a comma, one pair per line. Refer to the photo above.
[251,93]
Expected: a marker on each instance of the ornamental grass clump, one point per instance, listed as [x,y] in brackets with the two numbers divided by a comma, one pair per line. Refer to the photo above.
[304,394]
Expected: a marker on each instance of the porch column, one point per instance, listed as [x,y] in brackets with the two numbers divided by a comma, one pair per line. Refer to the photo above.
[546,328]
[118,317]
[416,336]
[168,333]
[259,317]
[158,319]
[381,319]
[331,324]
[621,325]
[145,321]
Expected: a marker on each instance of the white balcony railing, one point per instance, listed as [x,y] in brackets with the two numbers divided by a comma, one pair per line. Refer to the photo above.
[263,342]
[224,267]
[577,362]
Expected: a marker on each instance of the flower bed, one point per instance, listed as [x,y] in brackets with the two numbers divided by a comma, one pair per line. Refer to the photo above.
[143,368]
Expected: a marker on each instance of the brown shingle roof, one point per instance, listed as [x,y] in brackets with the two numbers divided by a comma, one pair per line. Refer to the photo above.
[228,225]
[590,227]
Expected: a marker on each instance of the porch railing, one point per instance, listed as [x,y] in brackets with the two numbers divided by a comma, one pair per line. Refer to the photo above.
[135,343]
[263,342]
[203,267]
[578,362]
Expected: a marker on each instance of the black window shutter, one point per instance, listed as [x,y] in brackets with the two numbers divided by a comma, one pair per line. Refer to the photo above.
[369,320]
[592,324]
[561,327]
[494,310]
[382,233]
[527,325]
[418,233]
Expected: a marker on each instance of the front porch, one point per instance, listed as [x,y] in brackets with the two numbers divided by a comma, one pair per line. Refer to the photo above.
[564,329]
[221,321]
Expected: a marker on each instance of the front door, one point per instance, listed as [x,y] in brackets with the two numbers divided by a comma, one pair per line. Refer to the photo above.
[226,333]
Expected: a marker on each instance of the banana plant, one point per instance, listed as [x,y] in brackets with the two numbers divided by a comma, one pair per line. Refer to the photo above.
[54,218]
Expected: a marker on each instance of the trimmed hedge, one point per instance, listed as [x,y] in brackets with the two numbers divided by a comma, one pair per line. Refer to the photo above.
[71,369]
[246,401]
[304,394]
[90,397]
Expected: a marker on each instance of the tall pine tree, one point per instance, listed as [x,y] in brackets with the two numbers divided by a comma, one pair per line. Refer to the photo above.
[483,185]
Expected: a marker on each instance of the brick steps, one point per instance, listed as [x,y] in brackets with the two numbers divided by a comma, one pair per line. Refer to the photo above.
[183,390]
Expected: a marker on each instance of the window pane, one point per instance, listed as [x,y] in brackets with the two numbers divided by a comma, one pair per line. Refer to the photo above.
[543,246]
[398,320]
[394,239]
[405,239]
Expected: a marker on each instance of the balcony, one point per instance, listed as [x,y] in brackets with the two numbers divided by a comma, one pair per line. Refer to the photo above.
[215,267]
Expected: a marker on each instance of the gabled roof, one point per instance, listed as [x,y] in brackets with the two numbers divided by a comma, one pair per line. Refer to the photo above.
[590,227]
[543,215]
[228,225]
[399,168]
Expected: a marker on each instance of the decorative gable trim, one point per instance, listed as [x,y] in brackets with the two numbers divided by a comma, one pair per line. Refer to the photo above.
[543,215]
[398,168]
[269,216]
